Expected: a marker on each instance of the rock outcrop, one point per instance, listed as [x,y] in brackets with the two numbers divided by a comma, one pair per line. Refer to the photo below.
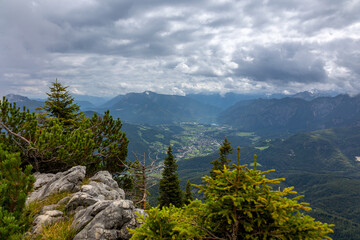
[98,208]
[48,184]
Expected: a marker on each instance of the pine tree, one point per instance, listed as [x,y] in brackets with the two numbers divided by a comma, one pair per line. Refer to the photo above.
[188,194]
[97,142]
[224,151]
[240,204]
[15,184]
[169,187]
[60,104]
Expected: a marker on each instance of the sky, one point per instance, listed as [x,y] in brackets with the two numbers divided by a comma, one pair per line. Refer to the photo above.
[112,47]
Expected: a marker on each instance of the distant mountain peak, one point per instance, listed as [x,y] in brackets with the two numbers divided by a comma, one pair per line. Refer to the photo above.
[16,98]
[306,95]
[150,93]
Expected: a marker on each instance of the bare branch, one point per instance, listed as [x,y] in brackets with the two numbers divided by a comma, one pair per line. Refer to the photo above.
[15,134]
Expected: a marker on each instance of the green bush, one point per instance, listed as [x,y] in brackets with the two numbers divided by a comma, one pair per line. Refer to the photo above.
[165,224]
[14,187]
[239,204]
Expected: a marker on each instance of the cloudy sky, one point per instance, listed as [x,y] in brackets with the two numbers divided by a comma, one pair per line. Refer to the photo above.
[111,47]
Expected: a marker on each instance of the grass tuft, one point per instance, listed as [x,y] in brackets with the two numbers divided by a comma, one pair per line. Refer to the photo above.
[61,230]
[33,208]
[86,181]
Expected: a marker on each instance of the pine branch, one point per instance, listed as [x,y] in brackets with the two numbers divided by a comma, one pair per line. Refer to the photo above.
[15,134]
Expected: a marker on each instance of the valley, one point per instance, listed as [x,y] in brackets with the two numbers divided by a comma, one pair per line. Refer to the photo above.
[188,140]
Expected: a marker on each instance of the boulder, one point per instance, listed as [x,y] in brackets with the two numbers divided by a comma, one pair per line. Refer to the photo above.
[48,184]
[84,216]
[110,223]
[99,207]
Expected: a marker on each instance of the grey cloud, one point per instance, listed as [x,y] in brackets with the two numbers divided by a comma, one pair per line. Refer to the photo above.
[347,54]
[174,46]
[281,63]
[306,17]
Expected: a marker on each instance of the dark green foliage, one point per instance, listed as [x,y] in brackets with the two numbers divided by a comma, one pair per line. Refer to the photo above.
[166,223]
[22,101]
[14,187]
[188,194]
[169,186]
[50,146]
[60,104]
[19,122]
[240,204]
[223,160]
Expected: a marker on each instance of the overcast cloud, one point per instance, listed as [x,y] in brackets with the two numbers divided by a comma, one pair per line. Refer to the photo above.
[111,47]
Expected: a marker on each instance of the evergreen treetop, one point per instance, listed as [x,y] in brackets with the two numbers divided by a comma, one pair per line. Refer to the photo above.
[219,163]
[60,104]
[188,194]
[169,186]
[97,143]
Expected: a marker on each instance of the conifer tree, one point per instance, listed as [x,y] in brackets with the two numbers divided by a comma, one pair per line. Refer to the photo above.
[169,186]
[188,194]
[60,104]
[224,150]
[15,184]
[97,142]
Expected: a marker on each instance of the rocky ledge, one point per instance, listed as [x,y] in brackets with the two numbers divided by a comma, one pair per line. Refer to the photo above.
[98,207]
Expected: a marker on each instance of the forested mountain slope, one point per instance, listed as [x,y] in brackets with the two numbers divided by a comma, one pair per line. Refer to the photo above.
[290,115]
[152,108]
[323,165]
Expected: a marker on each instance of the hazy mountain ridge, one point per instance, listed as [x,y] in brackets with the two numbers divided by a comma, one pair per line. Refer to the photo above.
[227,100]
[290,115]
[248,111]
[22,101]
[152,108]
[31,104]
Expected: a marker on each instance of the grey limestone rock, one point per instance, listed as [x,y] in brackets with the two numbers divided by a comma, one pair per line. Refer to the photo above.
[47,184]
[100,188]
[99,207]
[84,216]
[110,223]
[106,178]
[102,191]
[80,199]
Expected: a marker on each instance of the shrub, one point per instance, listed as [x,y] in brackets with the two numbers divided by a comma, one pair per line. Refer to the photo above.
[14,187]
[239,204]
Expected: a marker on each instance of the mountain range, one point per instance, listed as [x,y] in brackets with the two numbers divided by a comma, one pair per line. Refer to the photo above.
[271,117]
[152,108]
[290,115]
[22,101]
